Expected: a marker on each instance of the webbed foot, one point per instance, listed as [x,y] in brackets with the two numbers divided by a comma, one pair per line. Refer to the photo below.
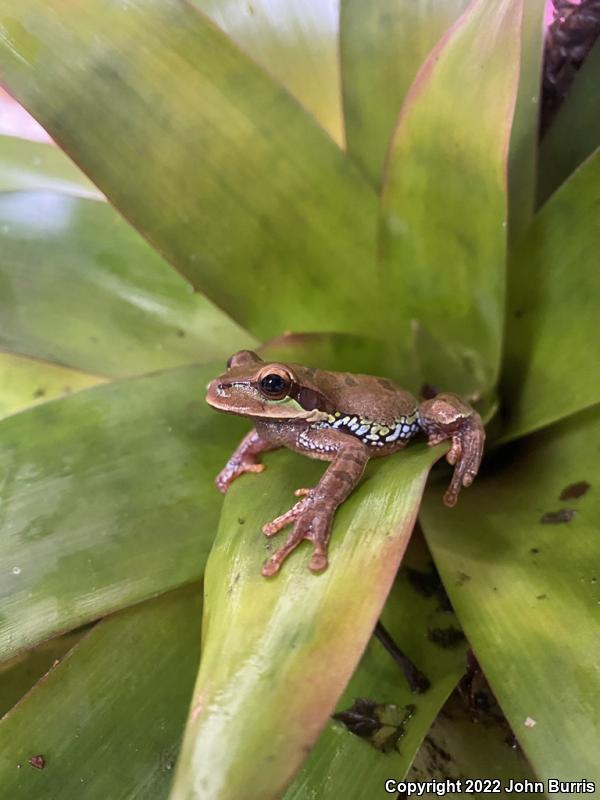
[233,469]
[312,520]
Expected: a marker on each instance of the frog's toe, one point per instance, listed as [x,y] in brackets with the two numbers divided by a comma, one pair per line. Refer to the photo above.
[318,562]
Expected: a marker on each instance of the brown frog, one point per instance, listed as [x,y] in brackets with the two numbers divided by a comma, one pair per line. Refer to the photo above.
[338,417]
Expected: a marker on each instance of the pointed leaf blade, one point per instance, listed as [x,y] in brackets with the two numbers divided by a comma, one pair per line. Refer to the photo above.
[127,683]
[297,43]
[265,641]
[342,764]
[552,335]
[107,498]
[252,193]
[80,288]
[525,587]
[443,210]
[382,45]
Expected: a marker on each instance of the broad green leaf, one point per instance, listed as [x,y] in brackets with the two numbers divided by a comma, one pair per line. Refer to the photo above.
[466,742]
[228,177]
[552,336]
[296,42]
[575,131]
[27,382]
[278,653]
[344,765]
[382,46]
[79,287]
[528,593]
[108,719]
[524,137]
[336,351]
[106,499]
[18,675]
[443,209]
[34,165]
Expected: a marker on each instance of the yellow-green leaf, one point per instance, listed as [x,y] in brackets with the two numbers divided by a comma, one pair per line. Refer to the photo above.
[444,206]
[550,367]
[214,162]
[278,653]
[382,46]
[519,557]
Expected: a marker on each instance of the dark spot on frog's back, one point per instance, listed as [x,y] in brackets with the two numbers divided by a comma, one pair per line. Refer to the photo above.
[385,384]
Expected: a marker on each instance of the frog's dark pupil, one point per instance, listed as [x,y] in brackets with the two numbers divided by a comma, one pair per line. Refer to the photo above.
[273,384]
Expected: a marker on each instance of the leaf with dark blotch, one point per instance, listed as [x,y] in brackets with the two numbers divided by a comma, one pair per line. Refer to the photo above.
[380,723]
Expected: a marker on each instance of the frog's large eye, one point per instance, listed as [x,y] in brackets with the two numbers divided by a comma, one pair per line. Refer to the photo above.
[275,386]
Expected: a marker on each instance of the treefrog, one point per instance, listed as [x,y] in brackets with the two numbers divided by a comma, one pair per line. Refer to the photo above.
[338,417]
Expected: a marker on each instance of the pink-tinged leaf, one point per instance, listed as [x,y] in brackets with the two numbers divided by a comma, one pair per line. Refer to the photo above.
[278,653]
[444,202]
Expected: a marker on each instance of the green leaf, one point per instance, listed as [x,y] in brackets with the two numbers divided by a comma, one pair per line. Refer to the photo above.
[552,337]
[117,699]
[26,382]
[344,765]
[347,353]
[79,287]
[34,165]
[444,199]
[296,42]
[107,498]
[263,693]
[249,197]
[382,45]
[528,593]
[575,131]
[18,675]
[523,151]
[467,742]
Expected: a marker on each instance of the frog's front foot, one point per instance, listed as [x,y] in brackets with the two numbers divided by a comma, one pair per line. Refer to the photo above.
[232,470]
[444,417]
[312,521]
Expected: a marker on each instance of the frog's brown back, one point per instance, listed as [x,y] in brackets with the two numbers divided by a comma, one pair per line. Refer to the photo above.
[367,396]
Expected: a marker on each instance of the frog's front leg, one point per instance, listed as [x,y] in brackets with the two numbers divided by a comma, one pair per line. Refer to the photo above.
[444,417]
[243,459]
[313,515]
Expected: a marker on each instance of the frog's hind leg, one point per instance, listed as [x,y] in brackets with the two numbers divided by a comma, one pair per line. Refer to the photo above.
[446,416]
[312,516]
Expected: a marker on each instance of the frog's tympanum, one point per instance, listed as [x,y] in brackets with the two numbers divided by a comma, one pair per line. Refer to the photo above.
[339,417]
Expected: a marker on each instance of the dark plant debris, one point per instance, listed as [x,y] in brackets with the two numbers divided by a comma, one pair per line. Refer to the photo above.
[429,584]
[569,39]
[446,637]
[381,724]
[574,490]
[38,762]
[557,517]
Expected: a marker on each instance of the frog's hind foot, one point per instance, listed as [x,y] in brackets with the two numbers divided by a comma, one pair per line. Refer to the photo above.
[312,522]
[444,417]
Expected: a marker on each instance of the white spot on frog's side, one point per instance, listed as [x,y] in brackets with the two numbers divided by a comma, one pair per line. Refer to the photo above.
[16,570]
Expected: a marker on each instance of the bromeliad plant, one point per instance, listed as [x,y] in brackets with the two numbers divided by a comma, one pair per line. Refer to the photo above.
[381,207]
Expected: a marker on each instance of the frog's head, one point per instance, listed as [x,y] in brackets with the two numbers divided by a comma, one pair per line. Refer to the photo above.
[252,387]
